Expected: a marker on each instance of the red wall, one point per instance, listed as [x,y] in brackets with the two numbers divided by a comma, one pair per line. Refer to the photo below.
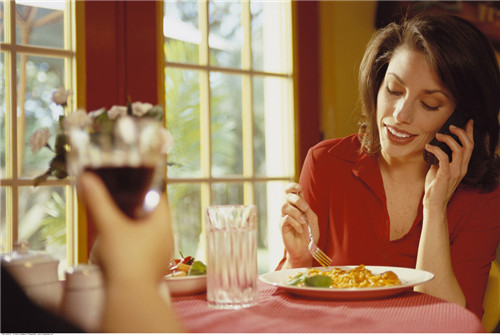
[121,62]
[121,58]
[307,75]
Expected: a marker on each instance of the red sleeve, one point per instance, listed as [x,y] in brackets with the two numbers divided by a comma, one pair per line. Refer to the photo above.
[473,244]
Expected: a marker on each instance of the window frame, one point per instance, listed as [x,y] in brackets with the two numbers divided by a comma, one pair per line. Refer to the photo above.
[12,182]
[249,179]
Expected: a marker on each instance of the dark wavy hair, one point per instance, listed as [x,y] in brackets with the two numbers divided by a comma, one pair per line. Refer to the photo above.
[464,60]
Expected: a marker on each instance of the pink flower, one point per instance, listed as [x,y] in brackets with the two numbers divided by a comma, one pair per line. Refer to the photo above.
[39,139]
[77,119]
[60,96]
[140,108]
[117,111]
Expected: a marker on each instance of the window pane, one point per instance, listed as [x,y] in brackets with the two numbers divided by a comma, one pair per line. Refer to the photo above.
[41,25]
[2,22]
[186,209]
[227,194]
[226,131]
[3,142]
[257,16]
[38,77]
[269,36]
[225,33]
[269,197]
[42,220]
[180,28]
[272,143]
[183,121]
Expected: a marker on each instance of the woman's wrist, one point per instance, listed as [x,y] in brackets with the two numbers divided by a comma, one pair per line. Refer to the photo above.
[304,260]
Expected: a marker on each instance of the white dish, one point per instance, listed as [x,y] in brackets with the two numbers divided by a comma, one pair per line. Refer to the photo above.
[189,285]
[409,278]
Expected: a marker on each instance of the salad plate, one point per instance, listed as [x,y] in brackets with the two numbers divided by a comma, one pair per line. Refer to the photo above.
[187,285]
[408,277]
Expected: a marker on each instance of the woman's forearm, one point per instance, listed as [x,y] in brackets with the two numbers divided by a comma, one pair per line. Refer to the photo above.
[434,256]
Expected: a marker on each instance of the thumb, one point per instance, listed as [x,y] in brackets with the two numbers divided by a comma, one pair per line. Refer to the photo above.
[98,201]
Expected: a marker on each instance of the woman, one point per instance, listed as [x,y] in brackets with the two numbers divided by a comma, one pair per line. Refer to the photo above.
[372,199]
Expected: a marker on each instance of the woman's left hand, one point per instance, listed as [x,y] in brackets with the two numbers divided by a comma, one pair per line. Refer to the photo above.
[441,181]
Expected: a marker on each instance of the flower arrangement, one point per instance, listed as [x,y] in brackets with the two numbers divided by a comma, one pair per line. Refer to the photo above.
[102,120]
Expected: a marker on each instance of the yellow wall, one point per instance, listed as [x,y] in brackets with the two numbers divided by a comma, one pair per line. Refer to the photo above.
[346,27]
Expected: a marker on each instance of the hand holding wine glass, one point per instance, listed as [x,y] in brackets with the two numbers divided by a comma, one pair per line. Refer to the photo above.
[127,154]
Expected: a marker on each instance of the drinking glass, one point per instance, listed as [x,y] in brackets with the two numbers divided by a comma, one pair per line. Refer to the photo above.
[127,156]
[231,235]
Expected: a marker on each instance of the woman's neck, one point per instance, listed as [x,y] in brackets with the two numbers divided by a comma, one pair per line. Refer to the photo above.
[403,170]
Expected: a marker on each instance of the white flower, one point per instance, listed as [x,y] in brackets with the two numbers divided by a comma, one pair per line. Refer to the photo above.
[39,139]
[167,140]
[125,130]
[77,119]
[117,111]
[140,108]
[60,96]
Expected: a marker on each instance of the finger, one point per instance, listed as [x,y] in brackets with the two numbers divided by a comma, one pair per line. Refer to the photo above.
[294,212]
[442,157]
[466,137]
[455,147]
[98,201]
[288,220]
[293,188]
[297,201]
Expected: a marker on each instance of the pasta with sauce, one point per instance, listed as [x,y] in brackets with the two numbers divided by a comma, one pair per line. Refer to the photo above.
[359,277]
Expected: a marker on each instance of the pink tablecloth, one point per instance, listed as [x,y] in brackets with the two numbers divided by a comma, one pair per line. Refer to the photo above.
[279,311]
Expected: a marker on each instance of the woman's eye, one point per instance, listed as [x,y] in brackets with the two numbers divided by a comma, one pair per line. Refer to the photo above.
[392,92]
[430,108]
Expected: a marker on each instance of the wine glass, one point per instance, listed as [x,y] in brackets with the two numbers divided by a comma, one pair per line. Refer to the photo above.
[127,155]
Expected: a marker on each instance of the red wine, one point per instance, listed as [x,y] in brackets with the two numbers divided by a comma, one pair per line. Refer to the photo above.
[127,185]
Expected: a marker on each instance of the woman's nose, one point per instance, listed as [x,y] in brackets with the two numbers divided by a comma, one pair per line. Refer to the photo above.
[403,113]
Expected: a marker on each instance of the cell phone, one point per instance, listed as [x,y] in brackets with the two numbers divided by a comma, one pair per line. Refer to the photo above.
[457,119]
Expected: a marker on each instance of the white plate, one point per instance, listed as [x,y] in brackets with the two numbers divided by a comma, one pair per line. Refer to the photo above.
[189,285]
[408,277]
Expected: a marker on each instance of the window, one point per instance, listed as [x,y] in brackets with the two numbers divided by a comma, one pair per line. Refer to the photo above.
[36,58]
[229,106]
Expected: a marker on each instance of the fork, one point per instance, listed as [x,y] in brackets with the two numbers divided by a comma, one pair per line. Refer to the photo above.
[316,252]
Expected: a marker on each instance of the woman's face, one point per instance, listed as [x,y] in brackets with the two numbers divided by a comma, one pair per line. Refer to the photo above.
[412,105]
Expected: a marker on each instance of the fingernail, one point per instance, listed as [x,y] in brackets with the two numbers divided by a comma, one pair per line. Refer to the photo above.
[302,219]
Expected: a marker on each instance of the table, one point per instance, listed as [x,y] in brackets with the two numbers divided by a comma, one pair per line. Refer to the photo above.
[278,311]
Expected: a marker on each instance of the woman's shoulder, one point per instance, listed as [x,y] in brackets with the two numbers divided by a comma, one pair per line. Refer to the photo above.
[468,193]
[471,201]
[347,148]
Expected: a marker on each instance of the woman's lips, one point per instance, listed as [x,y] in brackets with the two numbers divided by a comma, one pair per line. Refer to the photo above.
[398,136]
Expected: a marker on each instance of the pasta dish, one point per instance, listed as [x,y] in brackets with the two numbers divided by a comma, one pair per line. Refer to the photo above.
[359,277]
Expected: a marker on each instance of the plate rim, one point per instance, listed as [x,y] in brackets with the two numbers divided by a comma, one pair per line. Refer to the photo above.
[350,290]
[184,277]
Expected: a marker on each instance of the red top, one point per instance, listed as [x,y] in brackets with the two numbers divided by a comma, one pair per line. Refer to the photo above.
[345,189]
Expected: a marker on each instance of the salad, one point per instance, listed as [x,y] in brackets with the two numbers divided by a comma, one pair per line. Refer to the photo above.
[186,266]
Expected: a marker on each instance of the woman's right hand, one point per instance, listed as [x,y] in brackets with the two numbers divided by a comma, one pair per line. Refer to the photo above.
[295,215]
